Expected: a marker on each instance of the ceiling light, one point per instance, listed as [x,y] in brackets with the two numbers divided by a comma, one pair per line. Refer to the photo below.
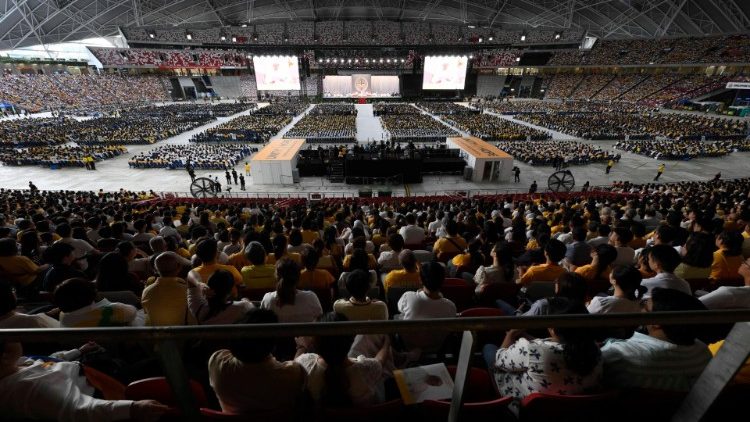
[480,39]
[189,36]
[491,38]
[402,60]
[472,26]
[151,35]
[381,60]
[367,61]
[557,36]
[234,39]
[328,60]
[320,60]
[518,59]
[523,37]
[244,25]
[356,60]
[223,38]
[471,56]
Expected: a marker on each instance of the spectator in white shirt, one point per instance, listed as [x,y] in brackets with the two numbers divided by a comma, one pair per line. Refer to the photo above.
[288,303]
[218,308]
[668,358]
[59,391]
[426,303]
[434,226]
[388,260]
[9,318]
[412,234]
[603,236]
[628,292]
[663,260]
[731,297]
[619,238]
[81,248]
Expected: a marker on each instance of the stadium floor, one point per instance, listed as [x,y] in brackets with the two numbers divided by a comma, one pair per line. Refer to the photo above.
[114,174]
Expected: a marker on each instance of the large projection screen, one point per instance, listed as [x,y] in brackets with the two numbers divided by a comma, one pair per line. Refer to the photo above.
[276,73]
[444,72]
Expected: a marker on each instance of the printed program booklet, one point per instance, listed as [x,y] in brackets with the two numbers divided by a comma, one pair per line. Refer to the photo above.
[431,382]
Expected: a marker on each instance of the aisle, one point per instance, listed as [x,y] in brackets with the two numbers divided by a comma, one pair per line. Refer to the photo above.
[368,126]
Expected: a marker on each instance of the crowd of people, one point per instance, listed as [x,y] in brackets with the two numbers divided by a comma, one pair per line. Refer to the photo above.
[254,128]
[683,149]
[35,93]
[169,58]
[444,108]
[138,126]
[325,128]
[201,157]
[334,109]
[645,125]
[382,109]
[711,49]
[559,154]
[492,128]
[415,126]
[533,106]
[109,261]
[290,107]
[61,156]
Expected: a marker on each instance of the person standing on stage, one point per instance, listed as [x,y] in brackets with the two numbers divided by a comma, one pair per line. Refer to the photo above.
[533,187]
[242,182]
[516,174]
[247,168]
[229,177]
[610,163]
[234,176]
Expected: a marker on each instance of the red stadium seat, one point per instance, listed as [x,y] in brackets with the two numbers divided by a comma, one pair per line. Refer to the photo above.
[459,292]
[158,389]
[507,292]
[388,411]
[586,407]
[480,400]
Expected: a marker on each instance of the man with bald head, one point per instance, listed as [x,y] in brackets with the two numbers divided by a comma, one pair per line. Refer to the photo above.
[165,300]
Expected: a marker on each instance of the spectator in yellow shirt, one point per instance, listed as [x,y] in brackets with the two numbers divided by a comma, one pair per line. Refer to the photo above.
[450,245]
[311,277]
[165,300]
[309,231]
[258,275]
[207,251]
[408,277]
[728,258]
[17,269]
[602,258]
[554,252]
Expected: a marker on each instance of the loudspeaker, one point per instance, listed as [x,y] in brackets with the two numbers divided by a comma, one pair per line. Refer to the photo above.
[468,172]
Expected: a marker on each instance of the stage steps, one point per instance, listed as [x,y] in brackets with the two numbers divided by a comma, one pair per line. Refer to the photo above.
[337,171]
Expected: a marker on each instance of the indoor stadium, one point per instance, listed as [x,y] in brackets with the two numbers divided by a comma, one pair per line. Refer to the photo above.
[374,210]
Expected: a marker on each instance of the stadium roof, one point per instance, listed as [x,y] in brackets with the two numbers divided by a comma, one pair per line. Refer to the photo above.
[30,22]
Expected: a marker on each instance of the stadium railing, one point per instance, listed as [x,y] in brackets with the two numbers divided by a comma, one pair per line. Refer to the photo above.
[719,372]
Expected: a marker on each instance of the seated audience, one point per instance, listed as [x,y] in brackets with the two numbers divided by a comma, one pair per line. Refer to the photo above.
[663,260]
[667,358]
[165,301]
[290,304]
[11,318]
[336,380]
[602,261]
[258,275]
[728,258]
[567,362]
[312,277]
[428,302]
[406,278]
[627,295]
[252,359]
[697,257]
[76,298]
[731,297]
[554,252]
[212,304]
[501,270]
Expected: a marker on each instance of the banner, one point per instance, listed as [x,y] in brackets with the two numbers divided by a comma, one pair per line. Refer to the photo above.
[361,85]
[738,85]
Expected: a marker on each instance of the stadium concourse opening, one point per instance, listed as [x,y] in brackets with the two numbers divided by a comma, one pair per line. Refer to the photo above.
[285,211]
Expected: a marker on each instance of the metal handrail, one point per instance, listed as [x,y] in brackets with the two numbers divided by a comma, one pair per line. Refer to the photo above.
[151,334]
[718,373]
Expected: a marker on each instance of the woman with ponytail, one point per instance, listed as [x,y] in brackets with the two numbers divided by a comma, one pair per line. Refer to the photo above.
[215,306]
[626,281]
[290,304]
[602,258]
[336,380]
[567,362]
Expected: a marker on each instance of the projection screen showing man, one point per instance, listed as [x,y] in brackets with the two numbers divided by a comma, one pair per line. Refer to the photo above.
[276,73]
[444,72]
